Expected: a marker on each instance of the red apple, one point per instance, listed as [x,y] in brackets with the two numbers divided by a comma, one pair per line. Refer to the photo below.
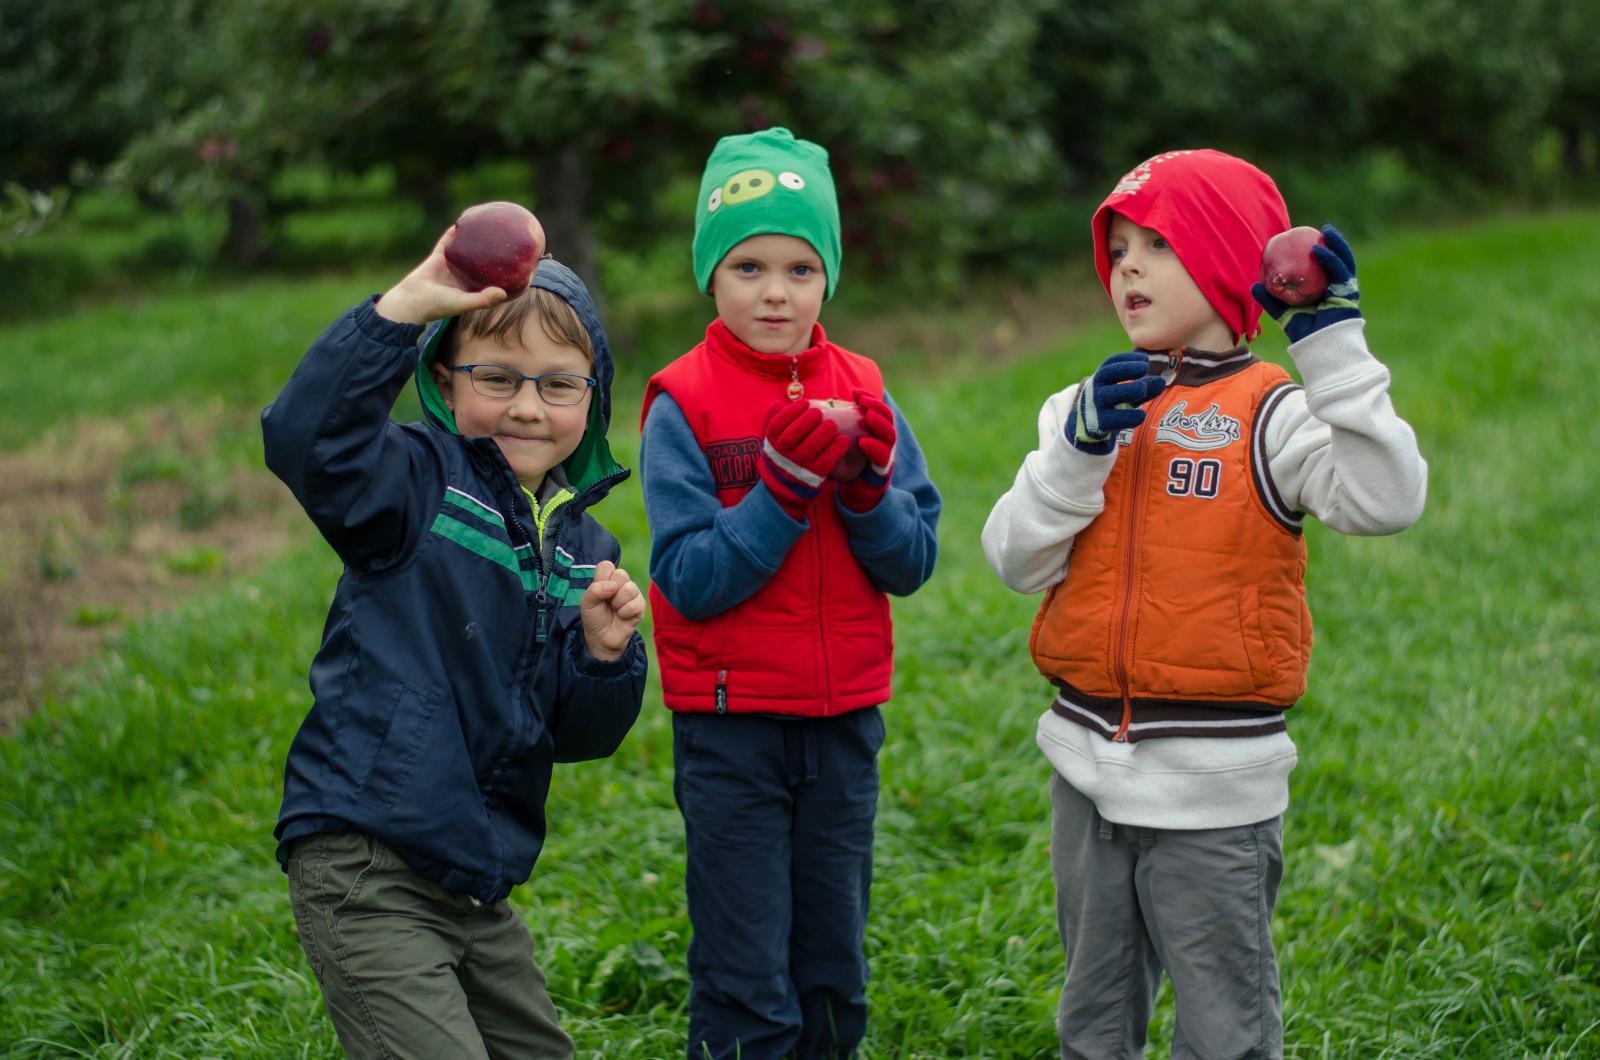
[496,244]
[847,415]
[1290,271]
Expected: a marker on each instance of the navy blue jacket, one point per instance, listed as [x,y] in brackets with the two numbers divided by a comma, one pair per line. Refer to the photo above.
[453,671]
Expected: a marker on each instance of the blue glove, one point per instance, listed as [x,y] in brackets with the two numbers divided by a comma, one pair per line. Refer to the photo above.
[1109,401]
[1341,302]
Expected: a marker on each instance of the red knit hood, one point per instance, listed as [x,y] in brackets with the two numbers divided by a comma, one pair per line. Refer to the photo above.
[1215,211]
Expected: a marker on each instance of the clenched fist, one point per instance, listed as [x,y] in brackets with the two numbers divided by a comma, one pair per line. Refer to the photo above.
[611,609]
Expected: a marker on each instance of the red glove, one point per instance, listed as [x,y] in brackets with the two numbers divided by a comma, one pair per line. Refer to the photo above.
[801,447]
[862,493]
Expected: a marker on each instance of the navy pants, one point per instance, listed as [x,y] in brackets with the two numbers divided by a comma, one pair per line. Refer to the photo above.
[778,817]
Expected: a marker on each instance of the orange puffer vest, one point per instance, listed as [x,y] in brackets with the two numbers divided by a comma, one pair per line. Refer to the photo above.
[816,639]
[1183,610]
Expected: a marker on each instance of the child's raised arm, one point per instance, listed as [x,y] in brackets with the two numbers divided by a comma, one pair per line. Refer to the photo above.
[328,435]
[1337,449]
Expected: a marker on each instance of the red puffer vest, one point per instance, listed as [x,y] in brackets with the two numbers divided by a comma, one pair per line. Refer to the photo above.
[815,639]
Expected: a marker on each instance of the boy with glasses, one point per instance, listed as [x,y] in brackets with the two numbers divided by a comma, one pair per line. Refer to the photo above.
[480,633]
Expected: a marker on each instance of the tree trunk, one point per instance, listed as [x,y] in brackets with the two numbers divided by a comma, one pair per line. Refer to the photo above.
[561,185]
[244,245]
[1580,162]
[428,187]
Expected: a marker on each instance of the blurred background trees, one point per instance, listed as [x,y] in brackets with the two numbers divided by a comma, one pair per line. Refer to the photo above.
[965,134]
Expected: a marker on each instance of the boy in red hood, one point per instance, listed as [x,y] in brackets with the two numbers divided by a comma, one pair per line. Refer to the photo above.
[1161,514]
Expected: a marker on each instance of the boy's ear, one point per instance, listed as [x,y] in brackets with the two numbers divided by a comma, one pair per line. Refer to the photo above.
[442,378]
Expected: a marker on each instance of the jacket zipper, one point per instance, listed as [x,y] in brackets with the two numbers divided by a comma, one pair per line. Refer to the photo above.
[552,527]
[541,601]
[794,392]
[1124,647]
[552,530]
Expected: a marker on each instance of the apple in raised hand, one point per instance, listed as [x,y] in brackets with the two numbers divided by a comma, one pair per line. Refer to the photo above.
[496,244]
[847,416]
[1290,271]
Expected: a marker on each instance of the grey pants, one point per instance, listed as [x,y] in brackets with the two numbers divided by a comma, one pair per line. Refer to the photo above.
[410,970]
[1134,902]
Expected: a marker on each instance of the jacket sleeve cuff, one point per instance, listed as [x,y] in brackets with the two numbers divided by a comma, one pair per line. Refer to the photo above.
[378,328]
[762,529]
[1332,354]
[588,666]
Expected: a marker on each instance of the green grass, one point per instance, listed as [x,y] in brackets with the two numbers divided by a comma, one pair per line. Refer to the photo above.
[1442,896]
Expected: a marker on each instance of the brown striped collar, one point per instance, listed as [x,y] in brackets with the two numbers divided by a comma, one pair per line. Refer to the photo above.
[1199,367]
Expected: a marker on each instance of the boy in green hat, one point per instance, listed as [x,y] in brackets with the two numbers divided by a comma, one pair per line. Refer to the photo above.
[776,543]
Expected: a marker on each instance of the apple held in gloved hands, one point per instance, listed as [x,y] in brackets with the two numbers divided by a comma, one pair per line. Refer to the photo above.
[877,442]
[1290,269]
[1337,295]
[495,244]
[846,415]
[800,448]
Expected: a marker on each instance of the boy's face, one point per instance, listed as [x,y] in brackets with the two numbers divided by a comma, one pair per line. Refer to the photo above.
[1157,301]
[534,435]
[769,291]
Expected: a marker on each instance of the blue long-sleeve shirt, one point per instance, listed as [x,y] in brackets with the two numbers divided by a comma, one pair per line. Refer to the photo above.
[707,558]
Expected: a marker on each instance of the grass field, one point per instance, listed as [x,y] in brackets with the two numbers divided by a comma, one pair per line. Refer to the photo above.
[1442,896]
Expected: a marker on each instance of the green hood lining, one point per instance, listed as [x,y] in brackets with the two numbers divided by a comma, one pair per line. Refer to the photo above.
[588,464]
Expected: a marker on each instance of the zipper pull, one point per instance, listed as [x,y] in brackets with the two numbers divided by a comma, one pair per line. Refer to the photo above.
[722,691]
[541,629]
[796,388]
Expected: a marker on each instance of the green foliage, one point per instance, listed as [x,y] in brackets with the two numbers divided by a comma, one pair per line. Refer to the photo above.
[60,65]
[24,212]
[198,560]
[962,133]
[53,563]
[91,615]
[1443,843]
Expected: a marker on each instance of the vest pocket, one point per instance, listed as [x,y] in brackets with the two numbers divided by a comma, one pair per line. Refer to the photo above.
[710,647]
[1034,647]
[1256,646]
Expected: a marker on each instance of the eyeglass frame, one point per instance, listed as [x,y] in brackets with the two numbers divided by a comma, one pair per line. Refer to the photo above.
[522,378]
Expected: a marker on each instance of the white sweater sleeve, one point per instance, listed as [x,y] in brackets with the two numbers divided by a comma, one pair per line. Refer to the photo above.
[1057,492]
[1337,450]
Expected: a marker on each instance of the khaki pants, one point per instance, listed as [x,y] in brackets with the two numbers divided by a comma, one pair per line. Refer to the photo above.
[410,970]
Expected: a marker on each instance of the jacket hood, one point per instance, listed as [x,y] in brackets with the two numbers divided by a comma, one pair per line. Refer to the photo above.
[1215,211]
[592,460]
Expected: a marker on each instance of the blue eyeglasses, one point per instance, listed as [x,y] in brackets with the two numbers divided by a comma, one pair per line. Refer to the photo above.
[554,388]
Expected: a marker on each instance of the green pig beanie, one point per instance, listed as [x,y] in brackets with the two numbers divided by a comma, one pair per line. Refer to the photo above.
[765,183]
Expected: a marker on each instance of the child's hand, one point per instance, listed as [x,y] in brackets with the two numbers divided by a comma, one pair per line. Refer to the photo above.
[1341,302]
[801,447]
[862,493]
[431,292]
[611,609]
[1109,401]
